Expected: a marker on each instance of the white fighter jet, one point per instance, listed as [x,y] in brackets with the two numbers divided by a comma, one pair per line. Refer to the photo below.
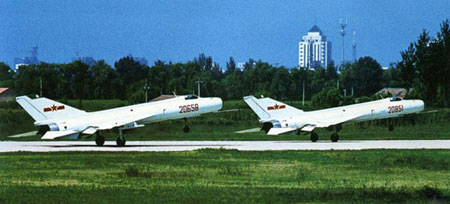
[279,118]
[57,120]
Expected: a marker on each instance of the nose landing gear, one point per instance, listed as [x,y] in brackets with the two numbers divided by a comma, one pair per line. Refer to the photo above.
[186,127]
[390,125]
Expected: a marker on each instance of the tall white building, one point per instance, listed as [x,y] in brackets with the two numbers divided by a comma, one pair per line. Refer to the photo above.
[314,50]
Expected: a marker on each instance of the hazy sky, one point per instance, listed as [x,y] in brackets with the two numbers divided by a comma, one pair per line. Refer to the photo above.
[178,31]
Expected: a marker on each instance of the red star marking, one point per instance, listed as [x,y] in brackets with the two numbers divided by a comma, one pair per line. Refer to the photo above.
[276,107]
[54,108]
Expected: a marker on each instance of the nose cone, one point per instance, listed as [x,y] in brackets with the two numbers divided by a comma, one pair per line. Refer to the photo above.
[419,105]
[414,106]
[218,104]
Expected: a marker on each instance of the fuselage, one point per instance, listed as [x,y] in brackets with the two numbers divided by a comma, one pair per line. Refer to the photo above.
[172,108]
[380,109]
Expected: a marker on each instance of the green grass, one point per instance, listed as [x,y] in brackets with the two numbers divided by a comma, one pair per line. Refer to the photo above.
[226,176]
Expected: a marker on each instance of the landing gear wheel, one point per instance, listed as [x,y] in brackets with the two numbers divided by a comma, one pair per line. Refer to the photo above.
[186,129]
[334,137]
[120,142]
[99,140]
[314,137]
[390,125]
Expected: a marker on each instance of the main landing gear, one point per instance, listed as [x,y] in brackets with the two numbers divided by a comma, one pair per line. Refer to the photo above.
[120,141]
[99,140]
[390,125]
[186,127]
[314,137]
[334,136]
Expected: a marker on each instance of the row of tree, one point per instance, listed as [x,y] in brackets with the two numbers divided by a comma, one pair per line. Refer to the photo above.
[128,79]
[425,67]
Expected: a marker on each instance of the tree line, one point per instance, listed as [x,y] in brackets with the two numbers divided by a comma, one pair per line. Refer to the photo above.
[424,70]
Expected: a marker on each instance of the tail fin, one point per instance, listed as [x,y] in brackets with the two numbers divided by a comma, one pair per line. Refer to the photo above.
[267,108]
[44,109]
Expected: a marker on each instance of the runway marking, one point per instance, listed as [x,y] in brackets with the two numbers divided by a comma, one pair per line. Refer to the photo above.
[167,146]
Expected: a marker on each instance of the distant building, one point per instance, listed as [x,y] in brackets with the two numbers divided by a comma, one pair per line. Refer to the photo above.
[33,59]
[7,94]
[314,50]
[240,66]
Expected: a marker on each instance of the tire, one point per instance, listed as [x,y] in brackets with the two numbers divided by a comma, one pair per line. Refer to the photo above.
[334,137]
[120,143]
[100,140]
[314,137]
[186,129]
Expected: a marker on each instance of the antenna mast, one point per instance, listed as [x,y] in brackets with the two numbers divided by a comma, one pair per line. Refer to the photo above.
[354,46]
[343,24]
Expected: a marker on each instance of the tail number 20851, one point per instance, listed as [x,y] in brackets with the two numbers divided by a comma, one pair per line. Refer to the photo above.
[189,108]
[395,109]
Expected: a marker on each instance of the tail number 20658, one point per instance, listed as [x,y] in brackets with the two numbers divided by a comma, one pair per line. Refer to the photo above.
[395,109]
[189,108]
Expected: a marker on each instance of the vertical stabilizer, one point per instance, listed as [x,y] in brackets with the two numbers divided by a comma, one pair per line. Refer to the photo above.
[44,109]
[267,108]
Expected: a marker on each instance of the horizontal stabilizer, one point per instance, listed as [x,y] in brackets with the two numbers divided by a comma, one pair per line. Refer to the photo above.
[279,131]
[27,134]
[50,135]
[248,130]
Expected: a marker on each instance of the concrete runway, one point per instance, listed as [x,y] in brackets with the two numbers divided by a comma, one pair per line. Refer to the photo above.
[161,146]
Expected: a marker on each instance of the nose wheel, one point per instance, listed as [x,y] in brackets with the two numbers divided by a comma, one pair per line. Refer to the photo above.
[390,125]
[186,128]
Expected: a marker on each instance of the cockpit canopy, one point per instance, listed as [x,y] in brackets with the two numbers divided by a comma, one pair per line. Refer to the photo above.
[191,96]
[396,99]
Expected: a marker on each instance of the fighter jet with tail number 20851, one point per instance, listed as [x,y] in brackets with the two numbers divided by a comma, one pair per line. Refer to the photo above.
[279,118]
[57,120]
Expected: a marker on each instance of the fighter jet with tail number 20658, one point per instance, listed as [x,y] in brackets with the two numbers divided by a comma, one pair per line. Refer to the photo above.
[57,120]
[279,118]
